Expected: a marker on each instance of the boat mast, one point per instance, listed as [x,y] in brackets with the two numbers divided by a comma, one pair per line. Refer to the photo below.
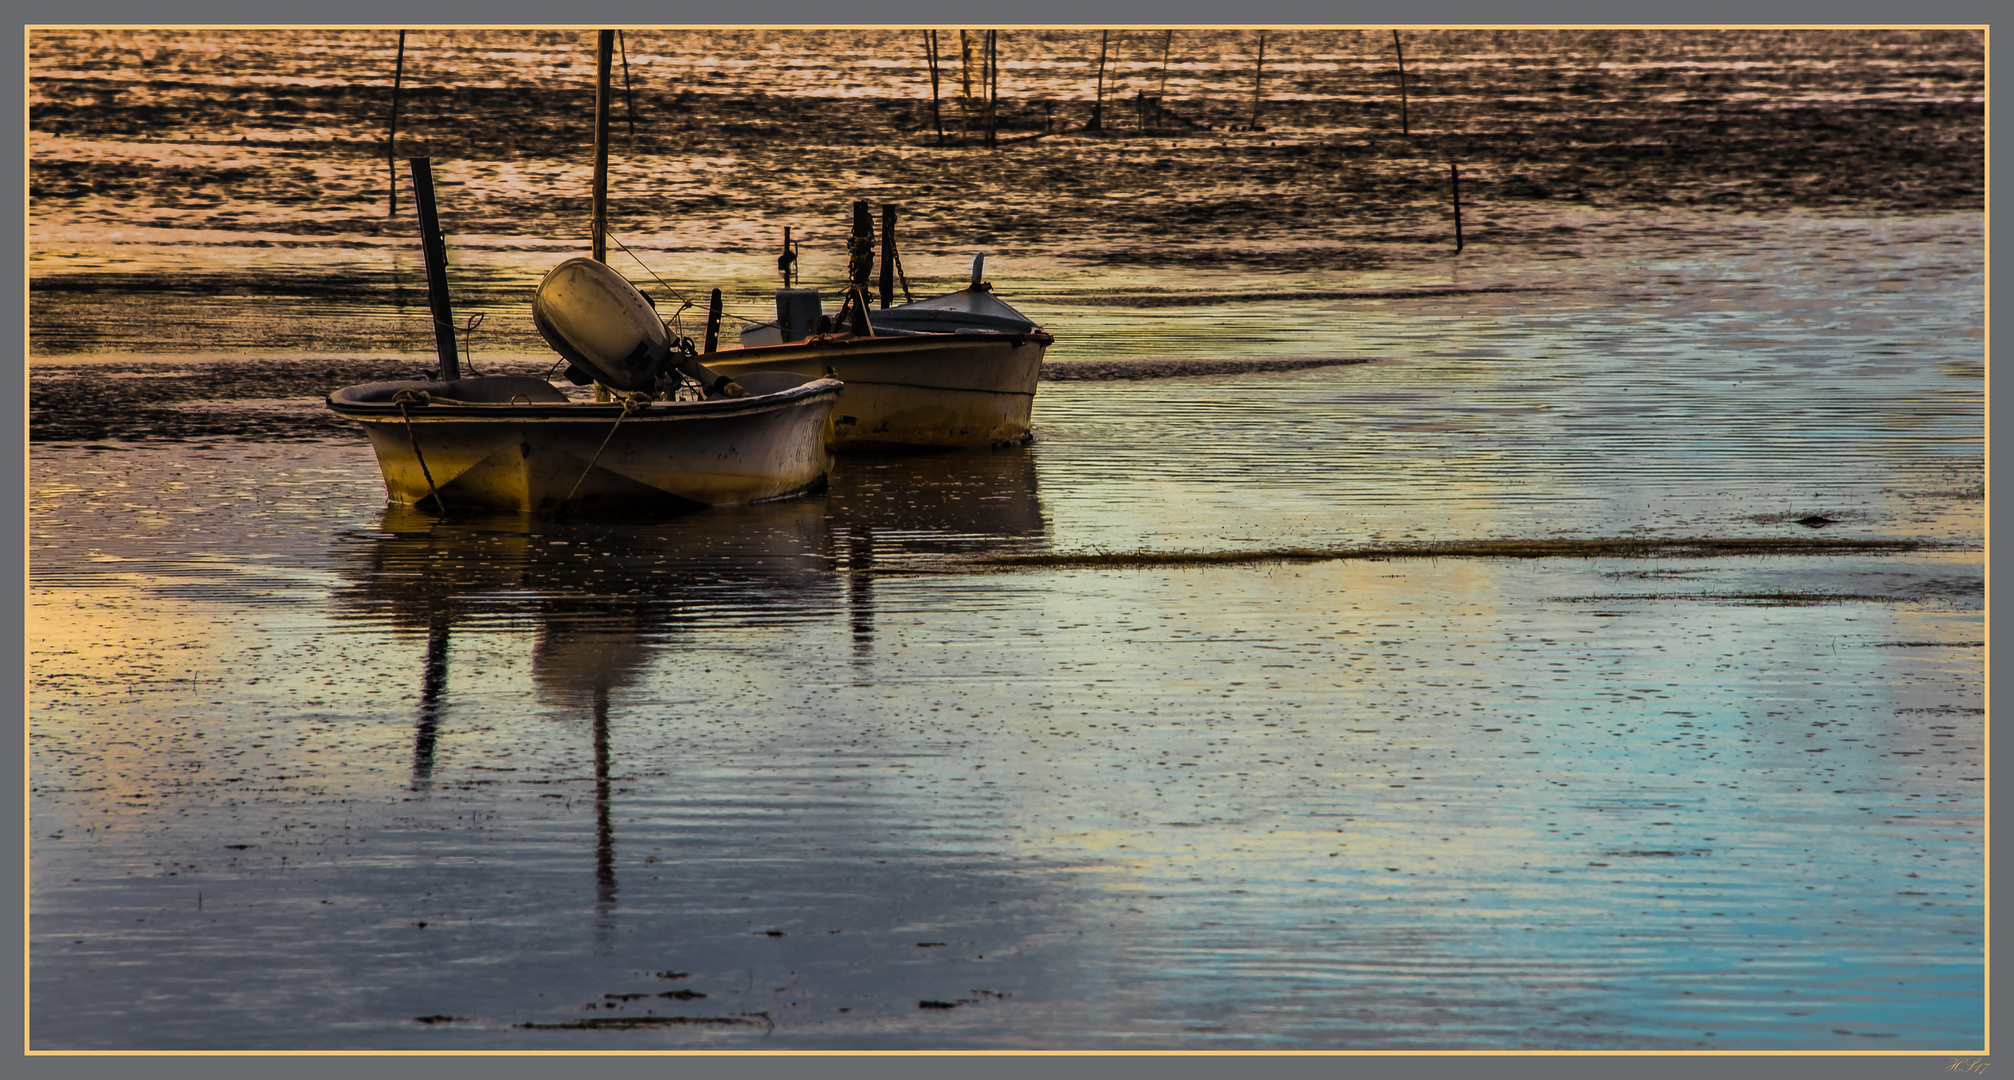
[604,47]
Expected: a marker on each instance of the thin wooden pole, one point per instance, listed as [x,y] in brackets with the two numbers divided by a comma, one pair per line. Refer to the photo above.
[392,140]
[604,46]
[1098,103]
[435,250]
[1404,127]
[936,115]
[1258,79]
[629,96]
[964,83]
[713,322]
[1455,172]
[1167,46]
[993,84]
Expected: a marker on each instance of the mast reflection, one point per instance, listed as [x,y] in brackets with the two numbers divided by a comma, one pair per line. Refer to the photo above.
[433,684]
[608,599]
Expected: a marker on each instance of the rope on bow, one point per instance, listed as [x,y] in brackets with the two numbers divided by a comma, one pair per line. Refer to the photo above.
[421,398]
[630,401]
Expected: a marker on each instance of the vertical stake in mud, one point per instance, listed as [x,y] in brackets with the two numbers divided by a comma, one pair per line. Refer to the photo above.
[936,114]
[392,139]
[1161,100]
[1455,173]
[992,84]
[964,83]
[435,249]
[1098,103]
[1404,128]
[628,95]
[1258,80]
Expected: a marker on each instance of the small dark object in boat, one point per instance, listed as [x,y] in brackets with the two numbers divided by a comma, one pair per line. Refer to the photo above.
[1815,521]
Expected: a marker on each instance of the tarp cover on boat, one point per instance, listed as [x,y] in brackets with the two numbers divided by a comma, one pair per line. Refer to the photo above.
[966,309]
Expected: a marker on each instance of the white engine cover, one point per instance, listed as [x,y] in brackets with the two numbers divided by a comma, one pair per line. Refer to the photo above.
[595,318]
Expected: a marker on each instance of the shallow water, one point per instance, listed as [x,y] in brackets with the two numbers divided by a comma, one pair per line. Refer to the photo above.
[311,769]
[309,772]
[506,771]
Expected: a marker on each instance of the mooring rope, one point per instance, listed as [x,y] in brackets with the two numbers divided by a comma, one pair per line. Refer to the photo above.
[468,341]
[684,300]
[419,397]
[631,400]
[904,278]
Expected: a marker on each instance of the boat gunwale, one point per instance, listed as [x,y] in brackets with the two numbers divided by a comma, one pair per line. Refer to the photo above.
[906,341]
[449,410]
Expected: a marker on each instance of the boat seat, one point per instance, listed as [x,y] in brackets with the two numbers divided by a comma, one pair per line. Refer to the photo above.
[498,390]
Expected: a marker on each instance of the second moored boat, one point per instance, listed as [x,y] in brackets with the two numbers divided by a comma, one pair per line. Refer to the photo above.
[958,370]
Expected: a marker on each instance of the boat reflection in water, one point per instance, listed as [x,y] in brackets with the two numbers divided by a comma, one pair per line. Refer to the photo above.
[605,598]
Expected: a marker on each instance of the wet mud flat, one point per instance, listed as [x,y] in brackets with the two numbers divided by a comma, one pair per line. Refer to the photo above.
[171,173]
[249,398]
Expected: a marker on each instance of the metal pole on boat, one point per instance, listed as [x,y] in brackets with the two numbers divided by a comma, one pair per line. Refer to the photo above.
[435,248]
[392,139]
[860,247]
[1404,129]
[604,46]
[887,255]
[713,322]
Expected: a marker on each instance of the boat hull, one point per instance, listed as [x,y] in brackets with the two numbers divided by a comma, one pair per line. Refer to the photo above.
[941,390]
[545,458]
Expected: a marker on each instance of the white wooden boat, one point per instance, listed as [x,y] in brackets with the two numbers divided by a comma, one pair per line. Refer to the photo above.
[958,370]
[520,443]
